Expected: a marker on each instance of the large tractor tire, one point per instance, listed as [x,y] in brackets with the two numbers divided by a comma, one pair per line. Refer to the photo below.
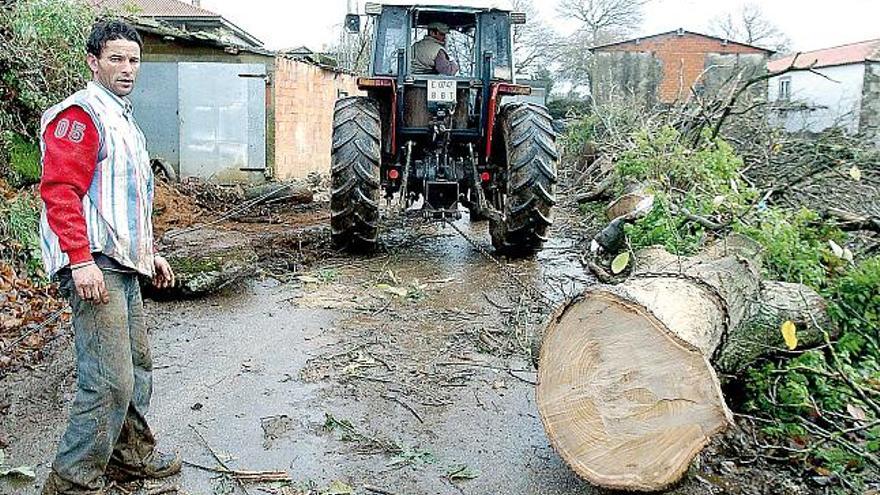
[530,193]
[356,156]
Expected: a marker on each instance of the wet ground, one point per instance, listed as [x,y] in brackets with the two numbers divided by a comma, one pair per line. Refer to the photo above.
[407,372]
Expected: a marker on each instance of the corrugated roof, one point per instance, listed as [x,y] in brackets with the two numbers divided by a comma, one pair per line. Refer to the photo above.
[157,8]
[853,53]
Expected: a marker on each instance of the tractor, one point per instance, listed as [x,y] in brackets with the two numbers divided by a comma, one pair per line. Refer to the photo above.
[436,142]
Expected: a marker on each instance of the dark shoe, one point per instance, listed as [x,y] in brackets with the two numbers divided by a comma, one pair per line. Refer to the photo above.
[55,485]
[156,465]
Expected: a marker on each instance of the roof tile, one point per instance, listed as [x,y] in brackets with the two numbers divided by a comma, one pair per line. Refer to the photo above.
[157,8]
[853,53]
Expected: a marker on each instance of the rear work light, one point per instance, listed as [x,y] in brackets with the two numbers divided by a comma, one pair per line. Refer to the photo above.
[374,82]
[514,89]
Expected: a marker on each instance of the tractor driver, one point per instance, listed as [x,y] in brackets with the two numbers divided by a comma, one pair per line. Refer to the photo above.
[429,53]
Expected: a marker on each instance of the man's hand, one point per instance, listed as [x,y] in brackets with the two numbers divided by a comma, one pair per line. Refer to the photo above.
[89,282]
[164,277]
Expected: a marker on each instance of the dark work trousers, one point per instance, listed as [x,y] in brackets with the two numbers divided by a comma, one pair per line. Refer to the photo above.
[113,385]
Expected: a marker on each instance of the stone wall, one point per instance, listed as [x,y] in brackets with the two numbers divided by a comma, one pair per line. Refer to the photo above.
[304,98]
[869,120]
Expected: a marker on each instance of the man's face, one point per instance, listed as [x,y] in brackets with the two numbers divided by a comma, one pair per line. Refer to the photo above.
[117,67]
[439,36]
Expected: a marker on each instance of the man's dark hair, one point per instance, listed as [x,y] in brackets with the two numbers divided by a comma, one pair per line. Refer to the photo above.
[104,31]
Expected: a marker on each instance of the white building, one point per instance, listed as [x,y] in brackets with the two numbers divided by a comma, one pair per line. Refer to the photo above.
[842,90]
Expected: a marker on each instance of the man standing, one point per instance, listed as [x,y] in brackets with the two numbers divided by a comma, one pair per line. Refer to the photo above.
[429,53]
[97,238]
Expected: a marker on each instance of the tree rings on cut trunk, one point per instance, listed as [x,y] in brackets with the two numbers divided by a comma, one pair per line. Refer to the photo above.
[625,401]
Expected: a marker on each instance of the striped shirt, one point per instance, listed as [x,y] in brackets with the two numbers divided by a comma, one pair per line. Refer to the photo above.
[117,206]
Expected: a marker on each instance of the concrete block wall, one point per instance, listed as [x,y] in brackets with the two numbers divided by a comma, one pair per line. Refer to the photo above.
[304,98]
[632,76]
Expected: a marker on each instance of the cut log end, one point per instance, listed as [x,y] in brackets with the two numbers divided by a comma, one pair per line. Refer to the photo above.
[625,402]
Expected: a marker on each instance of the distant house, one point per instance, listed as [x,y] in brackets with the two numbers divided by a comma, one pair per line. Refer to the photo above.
[189,17]
[667,67]
[842,90]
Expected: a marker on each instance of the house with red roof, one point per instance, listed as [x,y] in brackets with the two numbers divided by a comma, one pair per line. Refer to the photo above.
[841,89]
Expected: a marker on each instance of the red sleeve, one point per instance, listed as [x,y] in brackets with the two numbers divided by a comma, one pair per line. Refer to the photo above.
[69,162]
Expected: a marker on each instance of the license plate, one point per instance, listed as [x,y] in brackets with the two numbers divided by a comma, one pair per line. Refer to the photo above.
[441,91]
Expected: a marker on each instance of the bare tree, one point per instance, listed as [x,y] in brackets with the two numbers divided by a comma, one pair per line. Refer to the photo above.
[605,18]
[535,43]
[749,25]
[601,21]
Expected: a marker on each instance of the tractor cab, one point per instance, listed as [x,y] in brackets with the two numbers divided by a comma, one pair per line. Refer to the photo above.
[476,38]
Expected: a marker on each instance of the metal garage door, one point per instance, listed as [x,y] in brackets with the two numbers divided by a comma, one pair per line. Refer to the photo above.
[222,118]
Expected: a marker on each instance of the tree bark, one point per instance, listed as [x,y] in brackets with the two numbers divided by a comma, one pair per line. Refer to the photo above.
[627,385]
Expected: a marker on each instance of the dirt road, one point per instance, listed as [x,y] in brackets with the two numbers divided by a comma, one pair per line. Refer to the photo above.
[407,371]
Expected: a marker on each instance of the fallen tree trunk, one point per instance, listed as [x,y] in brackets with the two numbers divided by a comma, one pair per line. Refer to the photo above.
[628,389]
[281,192]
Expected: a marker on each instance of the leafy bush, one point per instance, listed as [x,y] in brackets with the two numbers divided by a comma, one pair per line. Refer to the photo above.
[561,108]
[856,298]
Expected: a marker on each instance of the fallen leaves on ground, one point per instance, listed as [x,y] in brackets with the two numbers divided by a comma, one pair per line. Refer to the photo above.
[26,306]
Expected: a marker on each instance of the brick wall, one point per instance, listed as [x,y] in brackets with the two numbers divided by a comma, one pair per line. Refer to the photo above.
[304,99]
[683,59]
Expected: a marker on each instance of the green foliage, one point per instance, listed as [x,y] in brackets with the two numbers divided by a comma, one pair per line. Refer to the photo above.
[24,161]
[856,301]
[42,60]
[665,161]
[702,181]
[580,135]
[19,232]
[824,390]
[796,247]
[663,228]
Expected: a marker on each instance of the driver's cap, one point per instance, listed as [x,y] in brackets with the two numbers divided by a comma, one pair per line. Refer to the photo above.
[439,26]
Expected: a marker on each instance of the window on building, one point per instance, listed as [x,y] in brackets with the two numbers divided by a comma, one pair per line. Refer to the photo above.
[785,89]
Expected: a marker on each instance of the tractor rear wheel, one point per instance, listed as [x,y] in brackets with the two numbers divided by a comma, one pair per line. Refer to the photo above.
[356,157]
[530,193]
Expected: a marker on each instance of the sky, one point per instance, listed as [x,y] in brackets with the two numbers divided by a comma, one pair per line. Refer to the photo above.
[811,24]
